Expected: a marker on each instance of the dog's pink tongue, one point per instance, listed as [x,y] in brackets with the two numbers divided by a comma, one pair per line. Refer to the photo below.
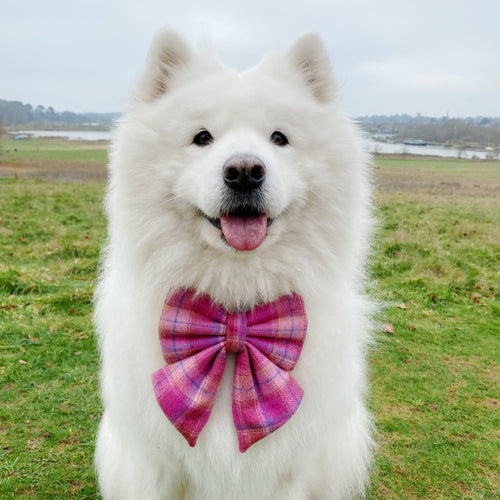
[244,232]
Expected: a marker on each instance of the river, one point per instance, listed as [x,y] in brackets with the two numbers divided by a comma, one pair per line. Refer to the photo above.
[72,135]
[374,146]
[390,148]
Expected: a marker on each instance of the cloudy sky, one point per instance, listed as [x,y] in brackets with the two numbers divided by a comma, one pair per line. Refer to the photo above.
[433,57]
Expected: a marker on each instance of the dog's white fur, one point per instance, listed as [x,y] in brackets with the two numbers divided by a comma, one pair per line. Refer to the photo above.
[317,190]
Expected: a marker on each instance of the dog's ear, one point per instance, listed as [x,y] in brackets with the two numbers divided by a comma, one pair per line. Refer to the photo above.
[309,56]
[168,55]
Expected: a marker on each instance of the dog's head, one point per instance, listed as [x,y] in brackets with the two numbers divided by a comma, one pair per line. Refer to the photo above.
[242,167]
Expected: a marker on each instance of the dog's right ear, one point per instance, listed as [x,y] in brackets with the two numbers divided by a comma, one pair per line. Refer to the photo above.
[309,56]
[168,54]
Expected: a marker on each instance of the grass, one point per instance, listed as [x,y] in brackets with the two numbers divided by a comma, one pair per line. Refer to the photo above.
[435,373]
[53,149]
[434,368]
[50,235]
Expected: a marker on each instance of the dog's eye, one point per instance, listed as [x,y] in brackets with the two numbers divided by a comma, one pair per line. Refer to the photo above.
[279,138]
[203,138]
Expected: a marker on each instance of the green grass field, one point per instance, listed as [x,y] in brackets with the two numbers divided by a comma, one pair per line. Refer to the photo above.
[435,373]
[435,378]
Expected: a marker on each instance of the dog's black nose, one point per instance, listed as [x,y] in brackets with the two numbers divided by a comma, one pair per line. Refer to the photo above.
[244,173]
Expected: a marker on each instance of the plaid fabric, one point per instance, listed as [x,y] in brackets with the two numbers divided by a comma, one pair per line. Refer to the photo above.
[196,335]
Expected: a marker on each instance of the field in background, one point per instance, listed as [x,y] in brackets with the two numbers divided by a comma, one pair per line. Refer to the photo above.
[435,379]
[437,175]
[54,159]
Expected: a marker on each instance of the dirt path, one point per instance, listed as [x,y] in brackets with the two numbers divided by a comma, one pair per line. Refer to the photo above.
[55,170]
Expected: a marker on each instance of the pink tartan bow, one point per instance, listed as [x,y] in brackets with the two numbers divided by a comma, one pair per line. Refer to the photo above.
[195,336]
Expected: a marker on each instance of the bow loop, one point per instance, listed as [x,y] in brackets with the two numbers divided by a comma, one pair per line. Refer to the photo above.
[278,330]
[190,323]
[196,334]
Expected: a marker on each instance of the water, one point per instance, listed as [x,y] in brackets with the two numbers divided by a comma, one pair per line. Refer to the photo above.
[374,146]
[72,135]
[388,148]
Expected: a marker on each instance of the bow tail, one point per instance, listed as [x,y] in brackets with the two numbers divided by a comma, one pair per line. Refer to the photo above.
[265,397]
[186,389]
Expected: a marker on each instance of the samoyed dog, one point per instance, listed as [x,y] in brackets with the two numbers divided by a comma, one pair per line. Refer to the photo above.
[241,197]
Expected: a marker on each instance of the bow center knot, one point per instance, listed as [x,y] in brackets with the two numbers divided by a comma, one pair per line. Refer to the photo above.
[236,331]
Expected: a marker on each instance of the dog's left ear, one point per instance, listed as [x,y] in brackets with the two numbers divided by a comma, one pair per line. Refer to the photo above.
[309,56]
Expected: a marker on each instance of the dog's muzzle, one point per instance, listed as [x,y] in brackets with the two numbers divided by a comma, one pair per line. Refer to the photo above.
[243,216]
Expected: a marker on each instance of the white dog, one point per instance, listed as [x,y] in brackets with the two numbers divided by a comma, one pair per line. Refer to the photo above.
[241,188]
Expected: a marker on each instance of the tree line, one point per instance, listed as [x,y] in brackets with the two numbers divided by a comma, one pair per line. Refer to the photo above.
[15,113]
[473,131]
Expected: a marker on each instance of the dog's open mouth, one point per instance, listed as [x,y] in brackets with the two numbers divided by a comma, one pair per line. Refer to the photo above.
[243,229]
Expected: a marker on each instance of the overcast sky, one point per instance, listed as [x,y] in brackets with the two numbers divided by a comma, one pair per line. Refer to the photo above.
[433,57]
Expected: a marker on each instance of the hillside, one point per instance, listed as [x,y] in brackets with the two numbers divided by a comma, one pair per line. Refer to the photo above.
[15,114]
[465,132]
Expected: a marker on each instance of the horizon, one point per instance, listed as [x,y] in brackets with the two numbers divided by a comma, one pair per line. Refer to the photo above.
[401,114]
